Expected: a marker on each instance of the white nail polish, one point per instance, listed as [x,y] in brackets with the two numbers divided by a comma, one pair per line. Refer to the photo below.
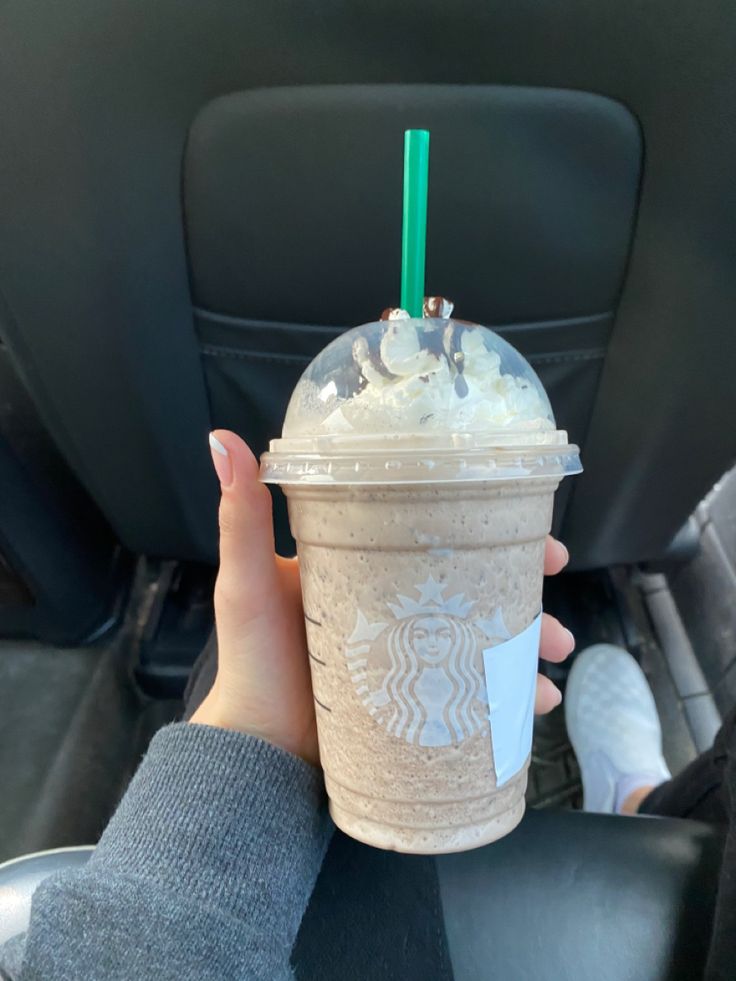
[217,445]
[222,462]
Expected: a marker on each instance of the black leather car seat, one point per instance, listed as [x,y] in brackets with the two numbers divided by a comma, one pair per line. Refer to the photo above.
[195,197]
[566,897]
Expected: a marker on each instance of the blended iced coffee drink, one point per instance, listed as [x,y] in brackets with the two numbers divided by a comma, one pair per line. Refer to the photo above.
[420,459]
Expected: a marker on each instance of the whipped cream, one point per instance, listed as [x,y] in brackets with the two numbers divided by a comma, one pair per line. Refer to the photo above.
[432,378]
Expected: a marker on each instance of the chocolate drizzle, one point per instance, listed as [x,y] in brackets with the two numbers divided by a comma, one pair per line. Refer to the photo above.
[438,307]
[443,344]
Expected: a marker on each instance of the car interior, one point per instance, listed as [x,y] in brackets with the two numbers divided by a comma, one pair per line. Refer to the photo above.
[196,199]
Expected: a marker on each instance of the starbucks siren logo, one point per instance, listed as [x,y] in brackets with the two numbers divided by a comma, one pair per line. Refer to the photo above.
[431,691]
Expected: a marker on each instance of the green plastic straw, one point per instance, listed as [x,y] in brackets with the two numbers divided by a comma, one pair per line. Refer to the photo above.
[414,232]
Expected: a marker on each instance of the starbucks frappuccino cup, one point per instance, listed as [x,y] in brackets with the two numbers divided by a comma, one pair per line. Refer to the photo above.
[420,458]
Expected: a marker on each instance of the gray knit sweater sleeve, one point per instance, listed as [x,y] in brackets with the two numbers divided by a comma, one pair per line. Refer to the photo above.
[204,871]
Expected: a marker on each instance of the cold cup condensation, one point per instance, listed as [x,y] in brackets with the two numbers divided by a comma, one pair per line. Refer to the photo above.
[420,459]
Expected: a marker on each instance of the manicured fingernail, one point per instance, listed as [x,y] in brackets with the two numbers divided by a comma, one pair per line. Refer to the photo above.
[565,550]
[222,462]
[571,639]
[558,697]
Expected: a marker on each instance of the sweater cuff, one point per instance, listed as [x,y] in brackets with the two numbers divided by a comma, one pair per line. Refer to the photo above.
[229,819]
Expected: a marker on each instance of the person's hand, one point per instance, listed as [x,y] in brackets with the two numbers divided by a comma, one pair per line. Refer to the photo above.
[263,684]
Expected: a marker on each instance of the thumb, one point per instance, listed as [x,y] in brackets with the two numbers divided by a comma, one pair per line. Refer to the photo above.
[247,579]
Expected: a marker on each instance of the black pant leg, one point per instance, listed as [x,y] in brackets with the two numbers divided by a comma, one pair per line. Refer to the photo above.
[706,791]
[722,955]
[700,791]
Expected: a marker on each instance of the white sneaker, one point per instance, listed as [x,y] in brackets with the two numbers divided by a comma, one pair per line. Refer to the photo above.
[613,726]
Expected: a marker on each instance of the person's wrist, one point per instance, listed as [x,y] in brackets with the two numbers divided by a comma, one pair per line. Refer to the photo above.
[215,712]
[212,713]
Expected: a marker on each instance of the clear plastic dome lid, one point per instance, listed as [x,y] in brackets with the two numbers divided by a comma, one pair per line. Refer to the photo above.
[406,400]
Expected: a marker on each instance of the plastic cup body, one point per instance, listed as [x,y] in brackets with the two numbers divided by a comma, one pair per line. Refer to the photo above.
[404,588]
